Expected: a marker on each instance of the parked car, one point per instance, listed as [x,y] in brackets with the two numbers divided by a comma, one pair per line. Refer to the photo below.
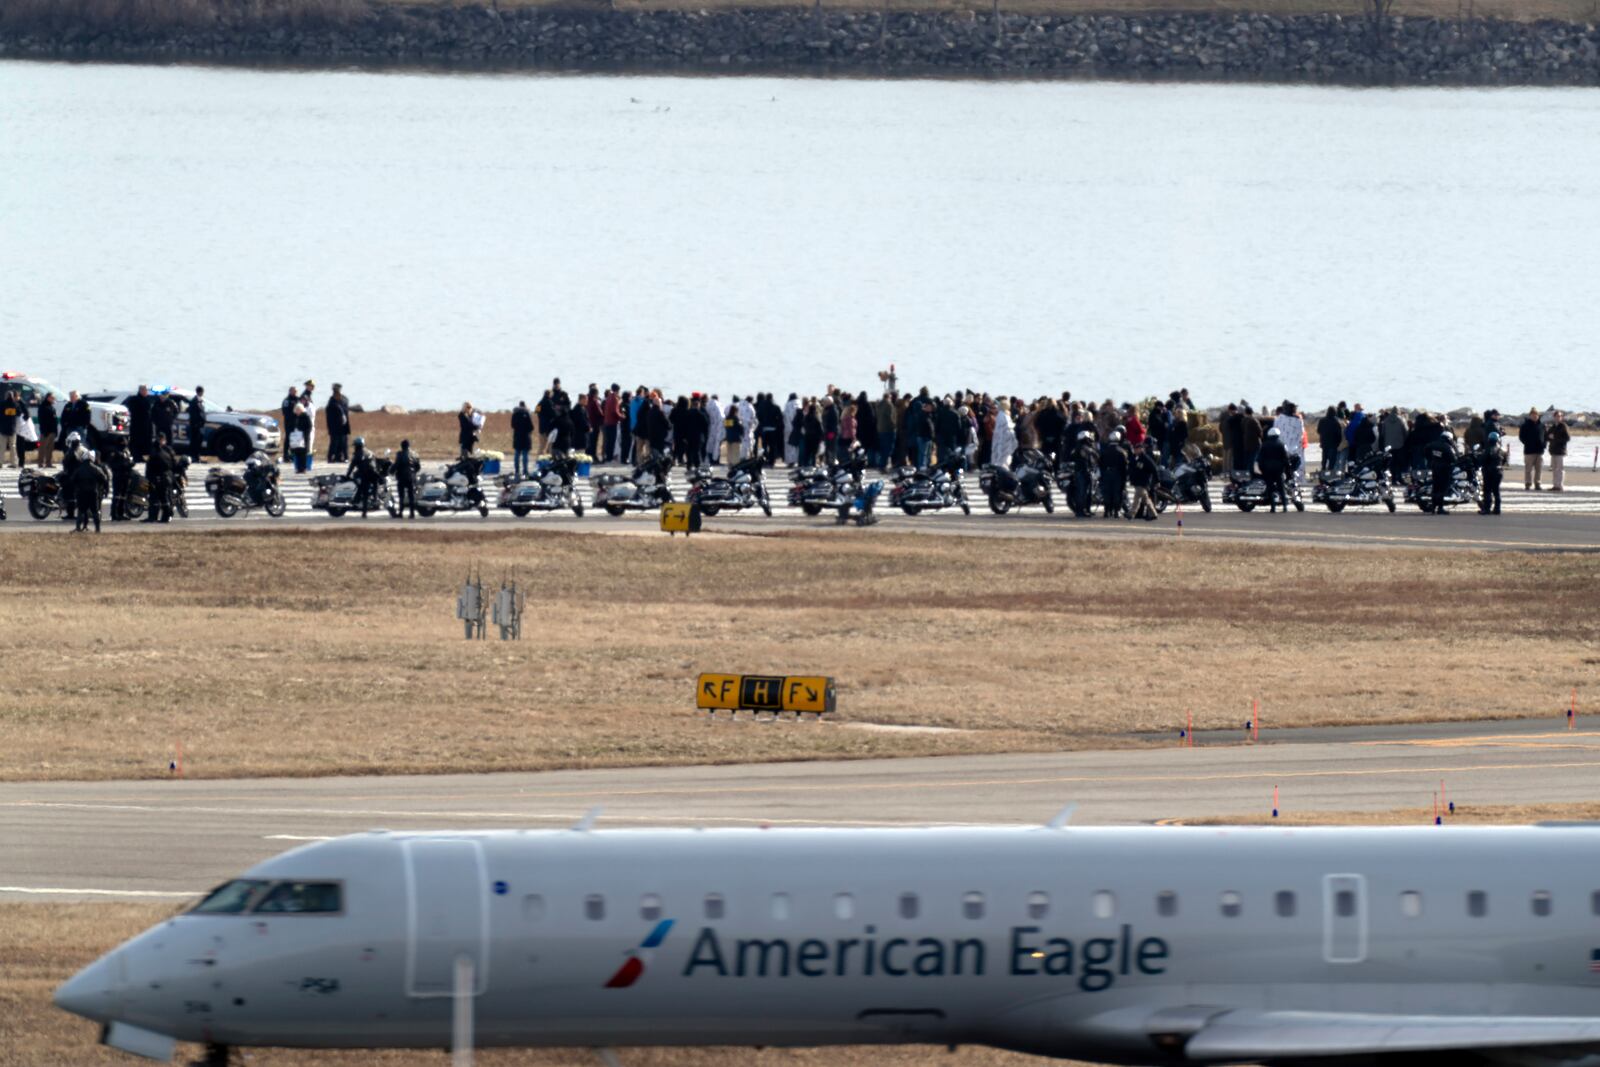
[229,435]
[105,415]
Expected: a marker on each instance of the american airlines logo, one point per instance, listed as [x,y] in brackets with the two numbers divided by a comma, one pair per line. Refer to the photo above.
[633,966]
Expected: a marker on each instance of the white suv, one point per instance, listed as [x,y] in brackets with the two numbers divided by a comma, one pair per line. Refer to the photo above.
[229,435]
[104,416]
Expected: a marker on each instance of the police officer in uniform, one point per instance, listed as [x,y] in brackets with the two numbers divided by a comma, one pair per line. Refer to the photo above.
[1491,459]
[406,466]
[197,422]
[1439,450]
[365,473]
[1273,465]
[88,487]
[1114,461]
[120,461]
[158,470]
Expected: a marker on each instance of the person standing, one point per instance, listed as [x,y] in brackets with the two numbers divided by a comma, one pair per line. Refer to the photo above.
[466,430]
[1330,435]
[611,417]
[197,423]
[1144,476]
[1003,442]
[158,470]
[286,409]
[1556,438]
[521,440]
[1273,464]
[120,460]
[1292,432]
[1491,461]
[1249,440]
[406,466]
[884,412]
[11,411]
[300,437]
[1230,438]
[791,429]
[163,415]
[140,431]
[595,418]
[49,426]
[308,402]
[337,414]
[88,486]
[732,434]
[75,416]
[1114,462]
[1531,434]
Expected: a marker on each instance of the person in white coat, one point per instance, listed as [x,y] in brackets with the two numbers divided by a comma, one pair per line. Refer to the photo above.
[791,451]
[747,419]
[714,438]
[1004,442]
[1292,428]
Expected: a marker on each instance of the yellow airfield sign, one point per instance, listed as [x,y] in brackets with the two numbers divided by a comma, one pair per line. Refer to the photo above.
[765,692]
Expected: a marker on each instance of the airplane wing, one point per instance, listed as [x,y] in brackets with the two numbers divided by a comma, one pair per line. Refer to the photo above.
[1235,1036]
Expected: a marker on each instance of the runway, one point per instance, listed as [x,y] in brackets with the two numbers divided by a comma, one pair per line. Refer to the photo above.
[1531,522]
[163,840]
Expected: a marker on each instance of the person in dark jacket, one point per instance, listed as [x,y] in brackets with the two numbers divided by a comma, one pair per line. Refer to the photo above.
[1330,435]
[1439,452]
[300,424]
[88,488]
[1557,438]
[120,461]
[1114,462]
[74,415]
[164,415]
[866,424]
[1272,462]
[159,469]
[522,429]
[49,426]
[1158,429]
[577,431]
[406,466]
[466,430]
[337,416]
[1491,460]
[1249,441]
[697,431]
[197,422]
[141,431]
[1229,430]
[1178,436]
[1144,476]
[810,434]
[1531,434]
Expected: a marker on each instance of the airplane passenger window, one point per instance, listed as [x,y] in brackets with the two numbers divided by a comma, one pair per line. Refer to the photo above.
[301,898]
[650,907]
[594,907]
[1038,904]
[1283,902]
[1541,903]
[972,905]
[844,905]
[1411,904]
[231,898]
[1477,903]
[1344,903]
[715,906]
[533,907]
[1231,903]
[909,905]
[1166,903]
[1105,904]
[780,905]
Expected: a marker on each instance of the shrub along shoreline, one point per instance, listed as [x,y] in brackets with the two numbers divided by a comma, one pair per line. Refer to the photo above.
[801,40]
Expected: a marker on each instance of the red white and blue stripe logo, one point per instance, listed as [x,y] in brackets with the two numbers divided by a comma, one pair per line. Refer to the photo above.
[634,965]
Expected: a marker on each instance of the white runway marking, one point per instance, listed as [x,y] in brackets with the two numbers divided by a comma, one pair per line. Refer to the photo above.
[34,891]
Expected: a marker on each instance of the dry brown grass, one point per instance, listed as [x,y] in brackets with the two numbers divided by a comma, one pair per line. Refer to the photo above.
[296,651]
[41,945]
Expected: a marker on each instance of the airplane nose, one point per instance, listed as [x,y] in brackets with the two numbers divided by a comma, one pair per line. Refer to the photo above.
[94,991]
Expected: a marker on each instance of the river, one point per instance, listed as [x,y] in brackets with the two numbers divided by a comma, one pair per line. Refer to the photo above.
[428,238]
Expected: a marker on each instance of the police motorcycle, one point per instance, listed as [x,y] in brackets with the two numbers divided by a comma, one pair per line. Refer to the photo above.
[41,491]
[548,489]
[919,489]
[1361,483]
[256,488]
[833,486]
[1026,482]
[645,489]
[1247,490]
[456,490]
[1078,476]
[859,508]
[1187,483]
[739,489]
[178,488]
[1464,488]
[338,495]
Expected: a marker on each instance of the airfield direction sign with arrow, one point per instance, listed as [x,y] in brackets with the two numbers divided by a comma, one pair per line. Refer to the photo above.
[807,694]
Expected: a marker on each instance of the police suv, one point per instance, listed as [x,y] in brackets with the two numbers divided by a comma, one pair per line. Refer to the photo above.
[229,435]
[105,415]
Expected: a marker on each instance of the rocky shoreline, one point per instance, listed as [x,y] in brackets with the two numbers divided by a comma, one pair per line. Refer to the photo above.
[1329,49]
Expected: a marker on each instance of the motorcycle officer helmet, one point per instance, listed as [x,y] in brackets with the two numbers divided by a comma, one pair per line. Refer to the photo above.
[1494,438]
[361,442]
[1116,435]
[81,454]
[1274,432]
[1085,435]
[73,438]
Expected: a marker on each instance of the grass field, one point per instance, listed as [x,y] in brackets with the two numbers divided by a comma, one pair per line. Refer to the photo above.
[312,652]
[42,944]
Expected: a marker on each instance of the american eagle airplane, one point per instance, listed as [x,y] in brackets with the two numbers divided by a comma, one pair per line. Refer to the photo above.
[1145,945]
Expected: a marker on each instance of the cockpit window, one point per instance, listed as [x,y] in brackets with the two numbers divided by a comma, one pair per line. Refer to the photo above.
[302,898]
[234,898]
